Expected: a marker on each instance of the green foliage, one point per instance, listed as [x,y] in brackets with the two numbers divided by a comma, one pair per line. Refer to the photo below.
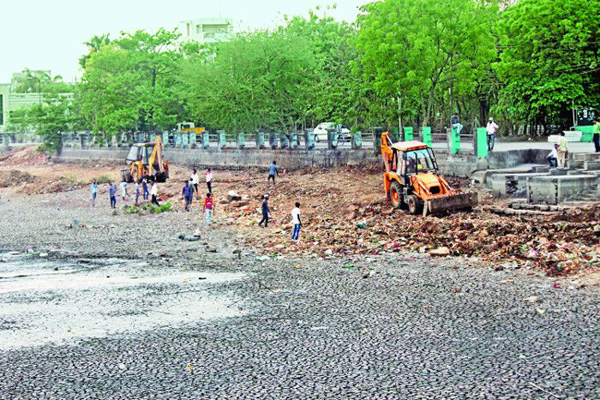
[132,82]
[549,59]
[154,209]
[257,80]
[148,207]
[103,179]
[416,49]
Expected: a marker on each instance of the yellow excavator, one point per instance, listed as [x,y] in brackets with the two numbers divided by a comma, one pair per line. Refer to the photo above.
[412,179]
[145,160]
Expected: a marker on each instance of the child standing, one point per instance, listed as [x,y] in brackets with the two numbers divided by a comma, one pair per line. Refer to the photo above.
[112,191]
[296,222]
[209,205]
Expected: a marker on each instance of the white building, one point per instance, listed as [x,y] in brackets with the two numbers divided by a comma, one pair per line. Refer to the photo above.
[207,30]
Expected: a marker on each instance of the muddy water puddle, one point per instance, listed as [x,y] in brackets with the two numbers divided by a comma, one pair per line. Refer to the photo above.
[44,301]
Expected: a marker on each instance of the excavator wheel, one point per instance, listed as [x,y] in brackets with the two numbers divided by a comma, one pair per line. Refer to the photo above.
[414,204]
[396,194]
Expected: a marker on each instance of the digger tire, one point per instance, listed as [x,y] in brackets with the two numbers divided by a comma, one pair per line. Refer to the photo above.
[396,194]
[415,205]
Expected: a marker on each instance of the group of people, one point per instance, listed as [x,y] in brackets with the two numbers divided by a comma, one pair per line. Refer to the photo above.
[140,189]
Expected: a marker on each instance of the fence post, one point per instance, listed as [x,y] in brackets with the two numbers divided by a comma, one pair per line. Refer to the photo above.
[427,136]
[222,139]
[241,140]
[260,140]
[377,140]
[283,140]
[454,141]
[205,139]
[309,140]
[273,140]
[481,143]
[356,140]
[293,141]
[408,133]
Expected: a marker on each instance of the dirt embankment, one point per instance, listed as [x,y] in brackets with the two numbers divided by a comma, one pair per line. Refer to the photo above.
[344,212]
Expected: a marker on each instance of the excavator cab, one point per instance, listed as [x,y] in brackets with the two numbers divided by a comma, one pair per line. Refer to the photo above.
[412,179]
[144,160]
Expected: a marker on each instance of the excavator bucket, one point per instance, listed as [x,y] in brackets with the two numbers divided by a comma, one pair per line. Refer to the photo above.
[451,202]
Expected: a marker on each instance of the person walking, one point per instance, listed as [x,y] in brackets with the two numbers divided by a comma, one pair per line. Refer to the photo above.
[136,190]
[209,205]
[272,171]
[552,157]
[195,180]
[154,193]
[94,190]
[112,192]
[145,189]
[297,222]
[563,147]
[188,195]
[597,135]
[492,128]
[265,211]
[456,124]
[209,179]
[124,193]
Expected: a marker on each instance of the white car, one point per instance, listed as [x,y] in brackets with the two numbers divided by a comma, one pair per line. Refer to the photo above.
[324,127]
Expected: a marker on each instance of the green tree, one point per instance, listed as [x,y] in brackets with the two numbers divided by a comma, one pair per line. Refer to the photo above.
[257,80]
[132,83]
[413,49]
[94,45]
[549,60]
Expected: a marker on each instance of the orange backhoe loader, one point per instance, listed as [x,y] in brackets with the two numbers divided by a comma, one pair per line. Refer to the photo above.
[412,179]
[145,160]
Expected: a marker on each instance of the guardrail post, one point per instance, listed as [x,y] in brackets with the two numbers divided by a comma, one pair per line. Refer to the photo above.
[241,140]
[293,141]
[356,140]
[408,133]
[427,136]
[260,140]
[222,139]
[454,141]
[309,140]
[481,148]
[205,140]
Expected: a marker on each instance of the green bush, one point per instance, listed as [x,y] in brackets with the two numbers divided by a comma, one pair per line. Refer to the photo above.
[161,209]
[103,179]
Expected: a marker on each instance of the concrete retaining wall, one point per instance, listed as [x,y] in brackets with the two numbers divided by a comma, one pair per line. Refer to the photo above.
[460,165]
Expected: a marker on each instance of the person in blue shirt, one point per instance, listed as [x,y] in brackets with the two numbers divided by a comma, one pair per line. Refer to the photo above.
[145,188]
[188,193]
[265,211]
[94,189]
[272,171]
[112,191]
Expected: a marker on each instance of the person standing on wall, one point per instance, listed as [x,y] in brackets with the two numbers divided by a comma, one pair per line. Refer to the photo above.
[209,179]
[563,147]
[456,124]
[597,135]
[492,128]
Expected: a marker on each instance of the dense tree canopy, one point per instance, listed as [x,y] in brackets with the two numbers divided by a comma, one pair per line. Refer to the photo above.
[407,62]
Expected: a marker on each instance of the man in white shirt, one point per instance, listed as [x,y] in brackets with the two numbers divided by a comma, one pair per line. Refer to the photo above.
[195,180]
[124,190]
[154,193]
[552,157]
[492,128]
[296,222]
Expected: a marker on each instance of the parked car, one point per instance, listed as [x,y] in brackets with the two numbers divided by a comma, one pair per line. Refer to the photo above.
[324,128]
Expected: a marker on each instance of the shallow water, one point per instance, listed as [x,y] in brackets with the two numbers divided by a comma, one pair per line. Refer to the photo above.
[44,301]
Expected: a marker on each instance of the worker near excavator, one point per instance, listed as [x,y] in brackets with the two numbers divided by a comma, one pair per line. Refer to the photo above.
[563,147]
[112,192]
[188,194]
[154,193]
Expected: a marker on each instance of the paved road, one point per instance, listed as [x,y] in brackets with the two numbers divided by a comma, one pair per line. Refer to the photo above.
[412,328]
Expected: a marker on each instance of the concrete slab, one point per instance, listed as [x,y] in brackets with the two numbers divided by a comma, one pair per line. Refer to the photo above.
[512,185]
[557,189]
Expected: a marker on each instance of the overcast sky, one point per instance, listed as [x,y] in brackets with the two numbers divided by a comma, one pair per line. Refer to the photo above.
[44,34]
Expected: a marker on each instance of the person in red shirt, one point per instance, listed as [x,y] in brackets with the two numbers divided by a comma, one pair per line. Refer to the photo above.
[209,205]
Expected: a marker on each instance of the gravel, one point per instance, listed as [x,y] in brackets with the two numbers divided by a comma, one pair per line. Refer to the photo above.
[416,327]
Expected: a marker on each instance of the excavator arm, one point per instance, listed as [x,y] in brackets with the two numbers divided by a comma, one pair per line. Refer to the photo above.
[386,151]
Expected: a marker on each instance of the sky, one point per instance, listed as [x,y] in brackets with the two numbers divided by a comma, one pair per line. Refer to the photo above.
[42,34]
